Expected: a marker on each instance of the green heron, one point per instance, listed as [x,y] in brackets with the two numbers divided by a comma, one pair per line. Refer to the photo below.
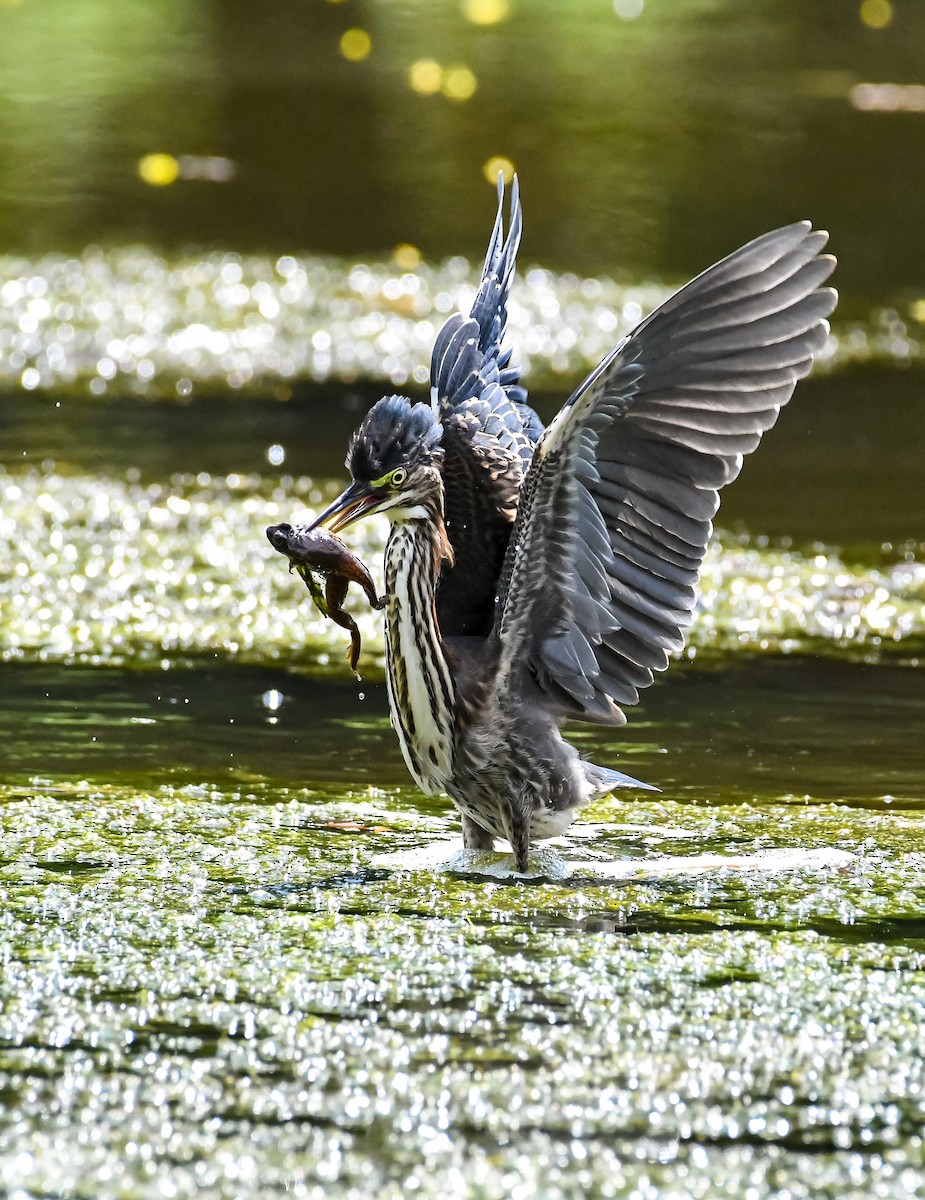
[535,575]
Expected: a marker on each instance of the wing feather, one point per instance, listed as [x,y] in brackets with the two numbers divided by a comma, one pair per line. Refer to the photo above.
[489,436]
[599,579]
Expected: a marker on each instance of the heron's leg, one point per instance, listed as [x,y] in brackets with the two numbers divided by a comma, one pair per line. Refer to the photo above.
[517,828]
[520,841]
[474,836]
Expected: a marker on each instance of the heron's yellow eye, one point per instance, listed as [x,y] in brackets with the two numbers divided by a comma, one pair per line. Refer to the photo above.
[392,479]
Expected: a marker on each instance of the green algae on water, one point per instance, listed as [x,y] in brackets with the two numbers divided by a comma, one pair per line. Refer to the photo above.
[203,992]
[111,570]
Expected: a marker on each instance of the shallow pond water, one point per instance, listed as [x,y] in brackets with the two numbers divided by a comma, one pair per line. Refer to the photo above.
[235,965]
[232,963]
[229,971]
[231,967]
[212,984]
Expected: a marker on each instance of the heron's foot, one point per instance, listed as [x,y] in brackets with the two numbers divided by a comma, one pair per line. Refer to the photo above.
[541,864]
[474,836]
[448,856]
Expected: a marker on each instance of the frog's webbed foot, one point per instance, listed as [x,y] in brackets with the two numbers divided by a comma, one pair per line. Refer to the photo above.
[342,618]
[353,654]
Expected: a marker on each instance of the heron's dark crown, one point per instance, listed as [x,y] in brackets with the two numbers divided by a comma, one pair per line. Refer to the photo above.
[394,433]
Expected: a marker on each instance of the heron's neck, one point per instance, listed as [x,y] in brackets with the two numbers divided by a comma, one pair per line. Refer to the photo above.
[421,695]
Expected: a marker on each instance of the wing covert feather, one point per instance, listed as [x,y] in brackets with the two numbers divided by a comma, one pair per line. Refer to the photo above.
[617,506]
[489,436]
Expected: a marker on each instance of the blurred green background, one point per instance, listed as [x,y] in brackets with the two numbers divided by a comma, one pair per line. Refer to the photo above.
[650,137]
[193,194]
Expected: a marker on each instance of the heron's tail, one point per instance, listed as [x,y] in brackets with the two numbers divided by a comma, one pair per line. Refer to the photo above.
[604,780]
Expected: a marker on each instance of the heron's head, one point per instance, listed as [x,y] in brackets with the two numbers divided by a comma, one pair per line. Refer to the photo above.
[395,458]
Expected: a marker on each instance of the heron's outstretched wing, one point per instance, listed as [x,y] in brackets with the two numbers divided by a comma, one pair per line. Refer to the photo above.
[489,435]
[615,513]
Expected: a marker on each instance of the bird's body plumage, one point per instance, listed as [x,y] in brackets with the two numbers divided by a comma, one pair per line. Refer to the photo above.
[535,575]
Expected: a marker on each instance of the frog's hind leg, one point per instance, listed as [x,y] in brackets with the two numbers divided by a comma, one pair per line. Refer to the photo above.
[357,573]
[335,593]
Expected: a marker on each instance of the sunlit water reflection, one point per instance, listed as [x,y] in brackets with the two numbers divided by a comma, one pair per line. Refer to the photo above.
[98,571]
[216,978]
[212,984]
[133,322]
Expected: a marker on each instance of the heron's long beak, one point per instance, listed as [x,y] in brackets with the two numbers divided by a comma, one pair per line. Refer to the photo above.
[355,502]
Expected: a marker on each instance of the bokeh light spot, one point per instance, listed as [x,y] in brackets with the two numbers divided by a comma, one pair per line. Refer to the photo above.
[495,164]
[888,97]
[159,170]
[425,76]
[212,168]
[485,12]
[628,10]
[876,14]
[406,257]
[459,83]
[355,45]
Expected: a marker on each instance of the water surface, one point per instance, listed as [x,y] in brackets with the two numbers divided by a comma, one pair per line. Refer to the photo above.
[230,966]
[211,985]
